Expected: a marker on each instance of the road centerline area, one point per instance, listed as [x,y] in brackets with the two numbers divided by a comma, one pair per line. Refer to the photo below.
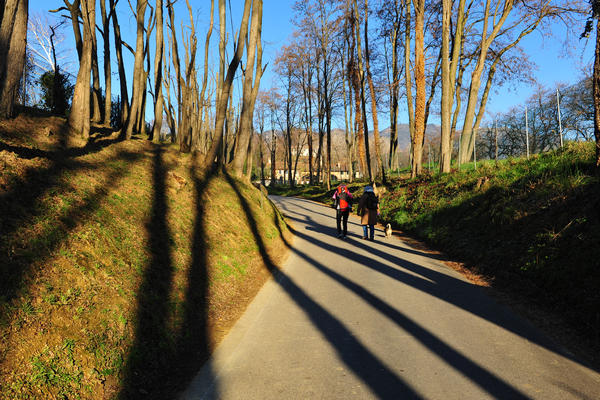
[360,319]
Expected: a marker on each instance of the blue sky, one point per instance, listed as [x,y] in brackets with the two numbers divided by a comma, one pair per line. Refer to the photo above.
[554,65]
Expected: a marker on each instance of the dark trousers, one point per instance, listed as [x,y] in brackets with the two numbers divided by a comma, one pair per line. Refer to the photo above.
[342,221]
[371,229]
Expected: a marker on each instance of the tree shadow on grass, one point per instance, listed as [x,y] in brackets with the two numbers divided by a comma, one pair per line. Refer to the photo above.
[161,361]
[21,207]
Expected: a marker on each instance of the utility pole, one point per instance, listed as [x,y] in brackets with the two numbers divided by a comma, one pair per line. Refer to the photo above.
[475,148]
[459,149]
[429,156]
[496,141]
[559,122]
[526,133]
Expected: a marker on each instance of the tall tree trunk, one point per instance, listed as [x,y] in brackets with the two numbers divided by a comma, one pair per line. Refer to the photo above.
[221,106]
[407,75]
[176,65]
[79,117]
[250,89]
[419,134]
[446,106]
[362,74]
[394,86]
[597,94]
[203,103]
[354,79]
[13,43]
[158,68]
[467,144]
[107,70]
[379,160]
[138,71]
[121,65]
[96,92]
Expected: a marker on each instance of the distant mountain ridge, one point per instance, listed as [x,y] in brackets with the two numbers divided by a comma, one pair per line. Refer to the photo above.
[431,131]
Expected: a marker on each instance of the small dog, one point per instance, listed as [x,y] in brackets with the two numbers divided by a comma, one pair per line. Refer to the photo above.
[388,231]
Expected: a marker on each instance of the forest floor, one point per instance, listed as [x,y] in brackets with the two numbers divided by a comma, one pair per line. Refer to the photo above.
[526,230]
[121,264]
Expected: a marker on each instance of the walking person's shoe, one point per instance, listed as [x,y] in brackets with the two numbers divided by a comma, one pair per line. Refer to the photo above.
[340,235]
[364,238]
[344,237]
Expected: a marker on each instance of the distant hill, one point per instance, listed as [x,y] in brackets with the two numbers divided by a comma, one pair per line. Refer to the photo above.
[432,131]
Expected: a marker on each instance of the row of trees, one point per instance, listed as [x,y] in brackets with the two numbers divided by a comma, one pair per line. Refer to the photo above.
[351,59]
[348,58]
[196,104]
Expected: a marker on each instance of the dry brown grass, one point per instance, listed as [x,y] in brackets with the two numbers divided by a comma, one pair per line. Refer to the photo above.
[93,246]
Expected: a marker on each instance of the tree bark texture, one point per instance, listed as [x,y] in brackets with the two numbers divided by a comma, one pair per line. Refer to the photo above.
[158,70]
[446,106]
[121,65]
[13,43]
[79,118]
[597,93]
[379,165]
[138,70]
[250,89]
[419,133]
[221,107]
[107,70]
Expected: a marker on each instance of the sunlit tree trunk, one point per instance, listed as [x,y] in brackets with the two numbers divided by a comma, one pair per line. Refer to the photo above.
[79,117]
[446,106]
[250,89]
[379,165]
[158,71]
[419,133]
[13,43]
[221,106]
[121,66]
[106,53]
[138,70]
[596,79]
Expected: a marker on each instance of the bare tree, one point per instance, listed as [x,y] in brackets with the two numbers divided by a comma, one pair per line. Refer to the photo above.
[138,70]
[223,96]
[250,90]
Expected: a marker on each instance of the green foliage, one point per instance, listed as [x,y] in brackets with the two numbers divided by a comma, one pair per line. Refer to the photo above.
[56,93]
[534,221]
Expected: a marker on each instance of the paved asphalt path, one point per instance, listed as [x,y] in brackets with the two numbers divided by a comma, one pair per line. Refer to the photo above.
[358,319]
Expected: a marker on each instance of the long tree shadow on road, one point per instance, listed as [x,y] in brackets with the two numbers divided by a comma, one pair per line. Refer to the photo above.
[435,284]
[444,287]
[380,379]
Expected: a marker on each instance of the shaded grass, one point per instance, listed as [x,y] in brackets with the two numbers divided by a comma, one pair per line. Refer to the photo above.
[112,271]
[531,227]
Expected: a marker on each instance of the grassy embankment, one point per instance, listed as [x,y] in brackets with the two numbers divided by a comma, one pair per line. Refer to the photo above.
[120,266]
[531,227]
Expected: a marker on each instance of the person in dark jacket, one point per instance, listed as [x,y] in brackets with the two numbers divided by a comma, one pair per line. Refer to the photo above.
[368,210]
[342,201]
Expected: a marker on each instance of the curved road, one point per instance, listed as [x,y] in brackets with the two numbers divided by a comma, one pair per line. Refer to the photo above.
[358,319]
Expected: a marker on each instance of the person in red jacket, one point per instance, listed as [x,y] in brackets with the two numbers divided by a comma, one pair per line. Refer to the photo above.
[342,201]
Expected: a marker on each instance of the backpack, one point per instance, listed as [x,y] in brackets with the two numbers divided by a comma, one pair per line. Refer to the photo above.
[343,199]
[372,201]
